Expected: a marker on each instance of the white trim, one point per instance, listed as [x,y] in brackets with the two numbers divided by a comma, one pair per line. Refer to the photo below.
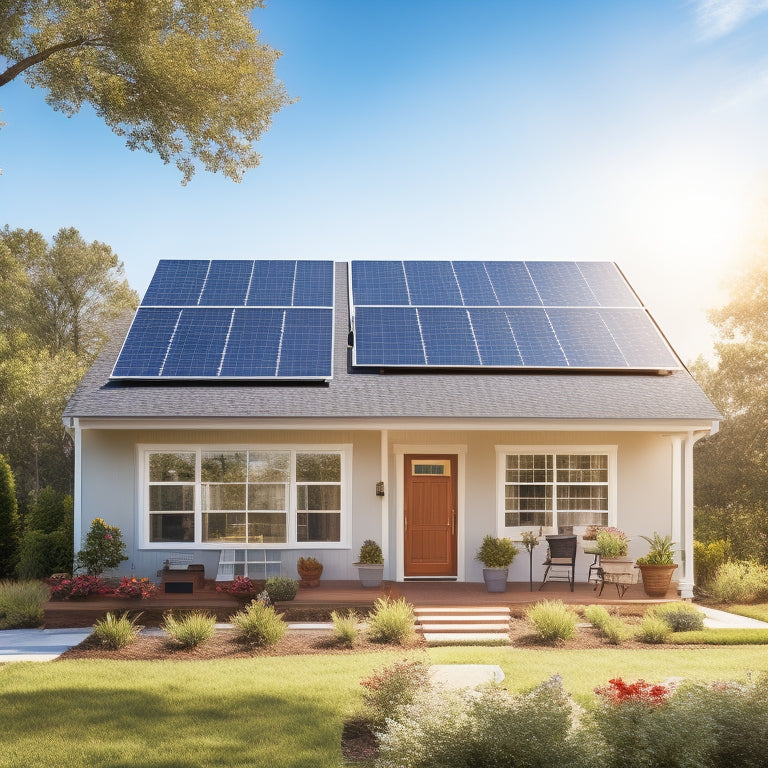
[399,451]
[677,505]
[502,451]
[77,535]
[384,501]
[142,527]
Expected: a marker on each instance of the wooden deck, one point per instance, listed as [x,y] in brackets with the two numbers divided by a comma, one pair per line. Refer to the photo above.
[347,594]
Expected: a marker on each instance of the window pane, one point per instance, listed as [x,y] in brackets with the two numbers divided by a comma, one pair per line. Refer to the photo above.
[582,518]
[266,497]
[528,497]
[582,497]
[318,467]
[224,496]
[223,466]
[172,527]
[269,466]
[315,526]
[320,497]
[171,498]
[222,526]
[529,468]
[517,519]
[582,469]
[267,528]
[171,467]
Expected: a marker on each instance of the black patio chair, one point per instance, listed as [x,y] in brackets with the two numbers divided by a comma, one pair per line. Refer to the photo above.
[561,559]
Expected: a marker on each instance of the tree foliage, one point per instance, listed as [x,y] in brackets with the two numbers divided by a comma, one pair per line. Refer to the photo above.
[9,520]
[187,79]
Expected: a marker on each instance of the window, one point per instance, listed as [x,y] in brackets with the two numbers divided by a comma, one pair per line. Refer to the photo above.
[244,496]
[553,488]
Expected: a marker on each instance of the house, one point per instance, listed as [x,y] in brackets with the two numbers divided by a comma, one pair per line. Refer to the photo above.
[256,411]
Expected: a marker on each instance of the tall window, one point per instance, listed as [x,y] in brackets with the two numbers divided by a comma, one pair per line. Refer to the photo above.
[552,489]
[247,496]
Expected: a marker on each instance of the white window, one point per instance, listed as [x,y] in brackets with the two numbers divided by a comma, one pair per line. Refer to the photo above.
[266,496]
[549,488]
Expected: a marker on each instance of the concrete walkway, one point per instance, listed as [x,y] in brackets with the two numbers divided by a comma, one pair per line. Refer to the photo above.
[715,619]
[38,644]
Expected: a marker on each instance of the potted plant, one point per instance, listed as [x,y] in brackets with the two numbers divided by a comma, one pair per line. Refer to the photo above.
[309,571]
[612,545]
[370,564]
[657,566]
[496,555]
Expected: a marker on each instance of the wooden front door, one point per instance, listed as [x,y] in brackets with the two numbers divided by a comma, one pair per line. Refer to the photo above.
[430,515]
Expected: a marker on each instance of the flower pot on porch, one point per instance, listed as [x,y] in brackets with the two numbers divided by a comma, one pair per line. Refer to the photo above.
[617,566]
[496,579]
[370,574]
[656,578]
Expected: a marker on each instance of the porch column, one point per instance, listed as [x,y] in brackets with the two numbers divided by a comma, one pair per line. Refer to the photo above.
[384,501]
[679,475]
[78,487]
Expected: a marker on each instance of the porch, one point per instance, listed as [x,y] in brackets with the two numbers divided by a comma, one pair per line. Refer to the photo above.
[312,604]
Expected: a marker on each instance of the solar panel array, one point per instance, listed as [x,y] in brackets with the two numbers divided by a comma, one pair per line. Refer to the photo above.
[493,314]
[233,319]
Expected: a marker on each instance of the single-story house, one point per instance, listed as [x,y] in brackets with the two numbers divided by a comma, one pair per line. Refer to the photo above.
[257,411]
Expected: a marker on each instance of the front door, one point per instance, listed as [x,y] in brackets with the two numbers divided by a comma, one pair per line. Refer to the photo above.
[430,515]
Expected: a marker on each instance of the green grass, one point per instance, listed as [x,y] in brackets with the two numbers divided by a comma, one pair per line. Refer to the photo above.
[277,711]
[758,611]
[721,637]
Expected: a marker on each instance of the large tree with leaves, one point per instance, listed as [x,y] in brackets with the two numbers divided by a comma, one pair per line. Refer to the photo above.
[187,79]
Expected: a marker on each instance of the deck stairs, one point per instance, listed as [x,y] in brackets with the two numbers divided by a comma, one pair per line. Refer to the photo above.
[457,625]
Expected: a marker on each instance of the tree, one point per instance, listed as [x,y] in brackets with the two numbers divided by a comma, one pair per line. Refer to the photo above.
[9,520]
[187,79]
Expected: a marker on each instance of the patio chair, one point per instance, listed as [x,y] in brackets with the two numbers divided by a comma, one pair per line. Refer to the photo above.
[561,560]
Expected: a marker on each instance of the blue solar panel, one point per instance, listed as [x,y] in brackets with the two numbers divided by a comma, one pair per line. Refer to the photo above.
[536,340]
[432,283]
[227,283]
[448,337]
[253,344]
[147,342]
[512,284]
[176,283]
[272,284]
[314,284]
[307,339]
[608,284]
[560,284]
[388,336]
[379,282]
[198,343]
[475,284]
[495,341]
[638,338]
[585,339]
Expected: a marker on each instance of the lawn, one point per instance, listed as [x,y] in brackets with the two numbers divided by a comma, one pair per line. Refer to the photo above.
[269,711]
[757,611]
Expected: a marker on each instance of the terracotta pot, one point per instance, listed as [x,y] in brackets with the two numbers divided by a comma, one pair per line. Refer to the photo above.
[309,578]
[657,578]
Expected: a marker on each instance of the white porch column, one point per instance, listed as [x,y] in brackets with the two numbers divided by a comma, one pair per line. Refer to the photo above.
[678,509]
[78,487]
[384,501]
[686,579]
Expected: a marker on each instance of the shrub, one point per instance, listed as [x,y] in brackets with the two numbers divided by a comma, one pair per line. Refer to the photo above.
[370,553]
[9,520]
[652,629]
[138,589]
[389,690]
[662,550]
[681,617]
[552,620]
[51,511]
[740,581]
[344,627]
[611,542]
[116,632]
[192,629]
[280,588]
[496,553]
[391,621]
[104,549]
[707,558]
[241,585]
[79,587]
[258,624]
[612,628]
[42,554]
[21,603]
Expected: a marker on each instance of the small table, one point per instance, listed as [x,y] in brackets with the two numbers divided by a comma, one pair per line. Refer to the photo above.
[594,572]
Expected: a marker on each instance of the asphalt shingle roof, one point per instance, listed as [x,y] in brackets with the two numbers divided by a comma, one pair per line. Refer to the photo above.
[371,394]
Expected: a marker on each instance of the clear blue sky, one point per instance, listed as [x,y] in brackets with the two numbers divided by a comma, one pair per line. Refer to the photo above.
[632,131]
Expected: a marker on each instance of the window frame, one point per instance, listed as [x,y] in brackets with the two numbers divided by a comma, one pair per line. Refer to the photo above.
[502,451]
[144,450]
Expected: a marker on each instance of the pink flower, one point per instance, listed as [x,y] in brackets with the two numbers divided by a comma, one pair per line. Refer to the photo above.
[108,536]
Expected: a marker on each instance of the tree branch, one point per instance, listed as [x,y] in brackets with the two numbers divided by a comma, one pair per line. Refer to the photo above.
[16,69]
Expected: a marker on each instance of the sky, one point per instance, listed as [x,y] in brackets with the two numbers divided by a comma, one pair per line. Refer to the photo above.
[631,131]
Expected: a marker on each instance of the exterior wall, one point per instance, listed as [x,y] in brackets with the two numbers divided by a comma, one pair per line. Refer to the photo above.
[110,489]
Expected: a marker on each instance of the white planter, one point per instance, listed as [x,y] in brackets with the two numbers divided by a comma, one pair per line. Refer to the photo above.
[371,575]
[496,579]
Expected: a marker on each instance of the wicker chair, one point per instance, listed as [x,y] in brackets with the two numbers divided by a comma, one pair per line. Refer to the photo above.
[561,559]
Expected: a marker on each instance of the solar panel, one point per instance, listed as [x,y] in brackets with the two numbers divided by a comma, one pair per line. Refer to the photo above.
[470,314]
[240,319]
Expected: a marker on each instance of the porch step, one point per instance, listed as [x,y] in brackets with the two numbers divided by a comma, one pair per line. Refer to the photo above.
[463,624]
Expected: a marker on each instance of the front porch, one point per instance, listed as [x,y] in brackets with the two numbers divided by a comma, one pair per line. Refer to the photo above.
[340,595]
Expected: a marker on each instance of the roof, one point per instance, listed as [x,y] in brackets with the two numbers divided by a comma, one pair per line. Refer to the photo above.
[375,395]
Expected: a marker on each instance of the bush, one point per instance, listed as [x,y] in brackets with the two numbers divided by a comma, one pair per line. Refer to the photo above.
[192,629]
[104,549]
[391,621]
[137,588]
[51,511]
[707,558]
[389,690]
[9,520]
[370,553]
[280,588]
[681,617]
[344,627]
[496,553]
[653,629]
[115,632]
[612,628]
[740,581]
[21,603]
[259,624]
[552,620]
[79,587]
[43,554]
